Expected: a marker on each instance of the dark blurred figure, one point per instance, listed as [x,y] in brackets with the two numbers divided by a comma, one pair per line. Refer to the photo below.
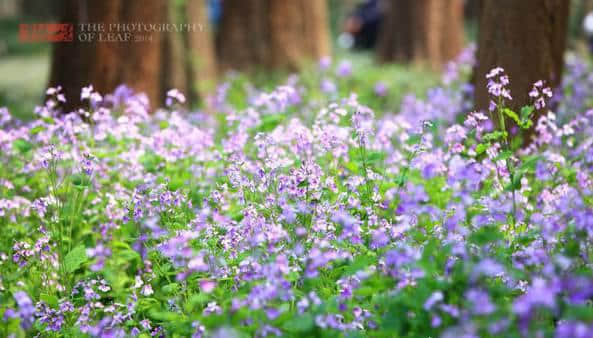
[363,24]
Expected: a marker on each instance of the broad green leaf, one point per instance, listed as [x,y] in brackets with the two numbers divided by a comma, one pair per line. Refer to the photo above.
[75,258]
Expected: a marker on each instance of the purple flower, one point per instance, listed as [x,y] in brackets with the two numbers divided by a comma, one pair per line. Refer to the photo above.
[4,116]
[434,298]
[328,87]
[26,310]
[380,89]
[325,62]
[207,285]
[480,300]
[344,69]
[541,293]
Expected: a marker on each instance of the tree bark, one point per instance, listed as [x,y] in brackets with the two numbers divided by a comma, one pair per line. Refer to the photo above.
[421,31]
[527,38]
[272,34]
[103,64]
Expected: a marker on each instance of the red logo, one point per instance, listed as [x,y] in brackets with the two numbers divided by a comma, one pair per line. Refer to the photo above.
[46,32]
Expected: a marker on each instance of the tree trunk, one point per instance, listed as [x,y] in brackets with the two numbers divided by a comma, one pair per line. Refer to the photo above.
[472,10]
[140,60]
[272,34]
[174,72]
[200,53]
[527,38]
[105,64]
[189,62]
[422,31]
[452,30]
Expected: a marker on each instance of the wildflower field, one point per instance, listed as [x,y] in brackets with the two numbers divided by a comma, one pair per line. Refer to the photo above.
[315,208]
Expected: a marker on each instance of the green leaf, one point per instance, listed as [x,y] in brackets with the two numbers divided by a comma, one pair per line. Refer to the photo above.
[80,180]
[150,161]
[495,135]
[503,155]
[170,288]
[50,300]
[270,122]
[166,316]
[529,163]
[526,121]
[511,114]
[37,130]
[303,184]
[526,124]
[359,263]
[22,146]
[414,139]
[75,258]
[302,323]
[482,147]
[526,112]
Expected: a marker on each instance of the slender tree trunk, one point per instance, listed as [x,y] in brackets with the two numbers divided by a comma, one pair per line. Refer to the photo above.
[422,31]
[527,38]
[200,53]
[272,34]
[174,73]
[107,64]
[189,62]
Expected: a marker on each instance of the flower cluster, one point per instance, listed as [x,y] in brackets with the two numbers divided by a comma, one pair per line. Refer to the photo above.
[303,210]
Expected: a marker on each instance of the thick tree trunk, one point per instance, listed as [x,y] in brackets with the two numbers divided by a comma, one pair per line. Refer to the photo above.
[272,34]
[103,64]
[527,38]
[452,30]
[140,60]
[422,31]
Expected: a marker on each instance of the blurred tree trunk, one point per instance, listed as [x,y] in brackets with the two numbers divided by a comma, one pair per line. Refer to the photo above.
[189,63]
[201,56]
[452,29]
[272,34]
[423,31]
[472,10]
[527,38]
[140,60]
[107,64]
[174,74]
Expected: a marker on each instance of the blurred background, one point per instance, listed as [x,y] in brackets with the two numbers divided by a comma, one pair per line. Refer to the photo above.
[403,45]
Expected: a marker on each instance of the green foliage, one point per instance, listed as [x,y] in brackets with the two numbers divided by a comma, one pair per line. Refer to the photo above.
[75,258]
